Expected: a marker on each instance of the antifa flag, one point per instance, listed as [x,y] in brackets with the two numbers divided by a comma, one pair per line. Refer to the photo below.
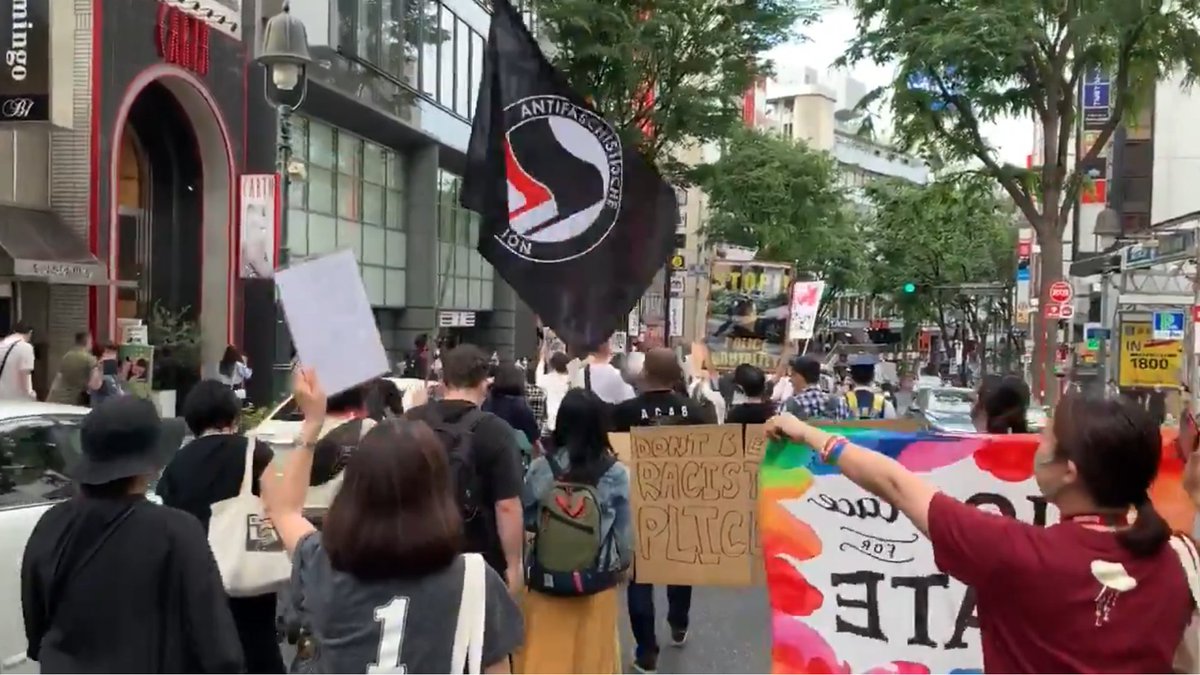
[577,223]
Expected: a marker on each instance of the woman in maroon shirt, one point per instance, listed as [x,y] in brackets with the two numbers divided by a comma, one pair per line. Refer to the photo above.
[1101,591]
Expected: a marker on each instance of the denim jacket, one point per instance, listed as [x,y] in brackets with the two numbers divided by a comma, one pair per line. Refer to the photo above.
[613,492]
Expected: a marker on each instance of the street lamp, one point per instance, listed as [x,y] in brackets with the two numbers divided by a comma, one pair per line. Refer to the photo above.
[285,56]
[285,51]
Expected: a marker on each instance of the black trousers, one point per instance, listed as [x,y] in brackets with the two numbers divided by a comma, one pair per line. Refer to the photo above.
[640,599]
[255,620]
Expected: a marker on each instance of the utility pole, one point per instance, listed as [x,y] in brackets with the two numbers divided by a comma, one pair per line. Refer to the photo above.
[1189,322]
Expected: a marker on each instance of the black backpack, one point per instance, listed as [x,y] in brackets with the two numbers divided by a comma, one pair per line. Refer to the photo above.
[458,438]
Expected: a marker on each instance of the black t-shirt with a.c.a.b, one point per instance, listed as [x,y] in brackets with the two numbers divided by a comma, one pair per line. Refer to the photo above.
[657,407]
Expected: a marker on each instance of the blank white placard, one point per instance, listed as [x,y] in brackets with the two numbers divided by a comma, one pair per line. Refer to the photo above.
[331,322]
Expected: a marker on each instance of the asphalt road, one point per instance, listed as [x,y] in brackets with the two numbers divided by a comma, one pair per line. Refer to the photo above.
[729,633]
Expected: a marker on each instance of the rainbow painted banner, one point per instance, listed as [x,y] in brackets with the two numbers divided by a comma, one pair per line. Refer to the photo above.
[844,569]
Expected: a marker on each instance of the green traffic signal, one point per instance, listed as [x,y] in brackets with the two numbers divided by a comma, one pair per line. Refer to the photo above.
[910,287]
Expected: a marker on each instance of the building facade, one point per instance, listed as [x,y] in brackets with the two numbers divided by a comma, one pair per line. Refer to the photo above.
[378,147]
[124,141]
[120,198]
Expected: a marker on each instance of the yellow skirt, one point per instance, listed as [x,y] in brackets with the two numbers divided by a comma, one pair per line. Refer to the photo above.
[570,635]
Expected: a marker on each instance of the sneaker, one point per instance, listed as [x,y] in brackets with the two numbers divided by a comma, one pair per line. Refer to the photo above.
[645,664]
[678,637]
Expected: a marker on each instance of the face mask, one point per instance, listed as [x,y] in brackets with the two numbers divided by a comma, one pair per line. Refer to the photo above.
[1049,487]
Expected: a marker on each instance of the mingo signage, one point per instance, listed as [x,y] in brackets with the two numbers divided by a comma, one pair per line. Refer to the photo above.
[25,71]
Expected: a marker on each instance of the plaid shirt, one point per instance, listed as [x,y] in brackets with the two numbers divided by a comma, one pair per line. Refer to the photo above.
[536,398]
[813,403]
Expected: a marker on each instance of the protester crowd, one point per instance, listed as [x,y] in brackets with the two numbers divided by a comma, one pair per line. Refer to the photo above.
[488,528]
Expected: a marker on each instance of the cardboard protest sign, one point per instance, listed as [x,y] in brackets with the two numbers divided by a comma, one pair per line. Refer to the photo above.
[694,492]
[853,585]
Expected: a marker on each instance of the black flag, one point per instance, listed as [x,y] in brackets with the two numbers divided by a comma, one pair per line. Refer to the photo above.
[577,223]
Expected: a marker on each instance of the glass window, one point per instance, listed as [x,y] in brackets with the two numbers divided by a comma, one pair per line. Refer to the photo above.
[395,170]
[320,190]
[373,281]
[487,294]
[347,208]
[34,457]
[297,232]
[396,290]
[462,68]
[462,261]
[296,193]
[396,253]
[476,69]
[460,294]
[349,235]
[373,246]
[394,218]
[445,93]
[322,234]
[349,154]
[476,294]
[374,164]
[391,38]
[372,204]
[299,137]
[370,26]
[347,196]
[320,145]
[430,38]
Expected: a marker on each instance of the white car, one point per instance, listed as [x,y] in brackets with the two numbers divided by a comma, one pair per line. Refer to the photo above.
[282,425]
[38,443]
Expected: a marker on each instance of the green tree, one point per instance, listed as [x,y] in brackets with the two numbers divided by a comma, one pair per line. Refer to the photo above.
[784,199]
[967,62]
[669,71]
[940,237]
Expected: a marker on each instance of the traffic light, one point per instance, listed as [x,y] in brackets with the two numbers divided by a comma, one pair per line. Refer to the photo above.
[910,288]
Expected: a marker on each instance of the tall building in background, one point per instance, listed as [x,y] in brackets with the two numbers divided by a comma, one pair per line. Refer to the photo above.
[822,113]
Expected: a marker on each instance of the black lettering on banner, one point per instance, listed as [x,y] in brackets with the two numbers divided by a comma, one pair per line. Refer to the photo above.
[1006,508]
[883,549]
[1001,503]
[870,580]
[966,619]
[921,586]
[1039,509]
[863,508]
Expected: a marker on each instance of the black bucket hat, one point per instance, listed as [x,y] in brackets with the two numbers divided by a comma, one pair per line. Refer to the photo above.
[124,437]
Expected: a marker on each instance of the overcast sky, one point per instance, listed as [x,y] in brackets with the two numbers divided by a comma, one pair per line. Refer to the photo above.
[828,39]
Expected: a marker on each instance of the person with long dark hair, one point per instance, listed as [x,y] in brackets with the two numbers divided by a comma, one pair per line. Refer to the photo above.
[382,584]
[384,399]
[1077,596]
[506,400]
[572,626]
[1001,405]
[233,371]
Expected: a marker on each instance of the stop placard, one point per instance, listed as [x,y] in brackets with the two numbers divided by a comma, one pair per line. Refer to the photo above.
[1060,292]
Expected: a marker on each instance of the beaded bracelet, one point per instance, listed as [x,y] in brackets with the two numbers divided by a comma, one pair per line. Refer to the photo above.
[833,449]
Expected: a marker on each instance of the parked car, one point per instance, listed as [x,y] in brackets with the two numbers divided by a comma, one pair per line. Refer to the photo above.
[944,409]
[280,428]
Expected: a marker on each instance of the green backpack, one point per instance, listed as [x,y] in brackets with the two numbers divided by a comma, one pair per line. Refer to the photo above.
[568,543]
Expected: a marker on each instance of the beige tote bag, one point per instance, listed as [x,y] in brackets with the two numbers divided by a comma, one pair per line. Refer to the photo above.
[249,552]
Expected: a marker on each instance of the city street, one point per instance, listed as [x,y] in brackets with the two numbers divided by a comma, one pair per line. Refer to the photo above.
[730,633]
